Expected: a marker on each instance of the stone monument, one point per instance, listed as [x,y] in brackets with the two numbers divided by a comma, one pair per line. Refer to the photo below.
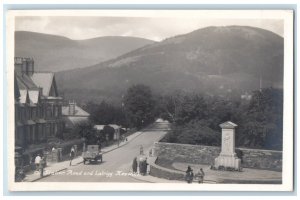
[228,157]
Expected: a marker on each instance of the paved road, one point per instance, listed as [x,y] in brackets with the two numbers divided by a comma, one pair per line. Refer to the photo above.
[116,166]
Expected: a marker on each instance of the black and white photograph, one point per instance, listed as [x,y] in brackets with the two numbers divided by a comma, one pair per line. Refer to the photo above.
[131,100]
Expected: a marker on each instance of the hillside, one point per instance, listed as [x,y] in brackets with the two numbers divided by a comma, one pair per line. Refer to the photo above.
[212,60]
[56,53]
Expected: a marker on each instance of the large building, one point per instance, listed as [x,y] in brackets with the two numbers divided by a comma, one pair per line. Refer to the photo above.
[38,107]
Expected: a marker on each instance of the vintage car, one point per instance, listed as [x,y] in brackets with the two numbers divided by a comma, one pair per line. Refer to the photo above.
[92,153]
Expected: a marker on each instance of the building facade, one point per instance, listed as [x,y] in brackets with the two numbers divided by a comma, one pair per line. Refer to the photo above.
[73,115]
[38,106]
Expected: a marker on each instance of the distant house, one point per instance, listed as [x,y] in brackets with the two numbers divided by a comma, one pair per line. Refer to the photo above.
[73,115]
[246,96]
[117,128]
[37,105]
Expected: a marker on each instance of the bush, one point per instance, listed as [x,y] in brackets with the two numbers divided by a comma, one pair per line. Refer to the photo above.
[195,132]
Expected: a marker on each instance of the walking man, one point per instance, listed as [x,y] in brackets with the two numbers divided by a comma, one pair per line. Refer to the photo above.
[72,155]
[42,166]
[37,161]
[200,176]
[141,150]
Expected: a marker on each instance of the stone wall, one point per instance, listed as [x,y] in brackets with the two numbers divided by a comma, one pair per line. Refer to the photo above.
[168,153]
[161,172]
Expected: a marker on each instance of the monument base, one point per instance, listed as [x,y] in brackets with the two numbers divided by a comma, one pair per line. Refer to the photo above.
[231,161]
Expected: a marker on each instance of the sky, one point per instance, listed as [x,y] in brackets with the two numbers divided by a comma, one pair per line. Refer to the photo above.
[157,29]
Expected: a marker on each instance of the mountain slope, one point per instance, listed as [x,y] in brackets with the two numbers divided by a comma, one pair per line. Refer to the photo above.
[213,60]
[56,53]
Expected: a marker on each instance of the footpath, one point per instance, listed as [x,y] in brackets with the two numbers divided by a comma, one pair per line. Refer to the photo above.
[247,176]
[53,168]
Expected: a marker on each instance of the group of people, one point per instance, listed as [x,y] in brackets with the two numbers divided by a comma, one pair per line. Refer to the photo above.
[189,175]
[140,163]
[40,160]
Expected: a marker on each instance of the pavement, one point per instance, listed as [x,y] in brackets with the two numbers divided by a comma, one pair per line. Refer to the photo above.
[56,168]
[247,175]
[151,179]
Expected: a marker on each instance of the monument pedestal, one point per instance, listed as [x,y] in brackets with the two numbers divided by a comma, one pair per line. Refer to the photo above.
[227,157]
[228,161]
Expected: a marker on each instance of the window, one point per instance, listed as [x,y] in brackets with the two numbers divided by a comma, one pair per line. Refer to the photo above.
[42,111]
[33,113]
[55,129]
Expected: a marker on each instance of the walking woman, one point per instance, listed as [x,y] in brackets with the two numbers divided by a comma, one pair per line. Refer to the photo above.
[134,165]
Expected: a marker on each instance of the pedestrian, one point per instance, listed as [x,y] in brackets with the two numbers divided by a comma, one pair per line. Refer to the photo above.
[200,176]
[189,175]
[37,161]
[134,165]
[142,167]
[141,150]
[42,166]
[72,155]
[146,167]
[150,152]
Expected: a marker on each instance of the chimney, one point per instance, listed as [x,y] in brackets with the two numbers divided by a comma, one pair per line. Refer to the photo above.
[72,106]
[30,66]
[18,65]
[24,66]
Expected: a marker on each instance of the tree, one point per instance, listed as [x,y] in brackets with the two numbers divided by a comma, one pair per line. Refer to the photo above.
[262,125]
[86,130]
[170,104]
[106,113]
[193,107]
[195,132]
[139,105]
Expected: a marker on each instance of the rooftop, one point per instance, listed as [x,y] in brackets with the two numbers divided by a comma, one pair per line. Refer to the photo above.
[43,80]
[79,112]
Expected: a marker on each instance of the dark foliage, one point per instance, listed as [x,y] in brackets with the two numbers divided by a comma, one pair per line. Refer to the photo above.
[196,118]
[106,113]
[139,105]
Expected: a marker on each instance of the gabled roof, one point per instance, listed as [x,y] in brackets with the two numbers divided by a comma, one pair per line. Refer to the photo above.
[23,96]
[25,82]
[228,124]
[115,126]
[79,112]
[33,96]
[43,80]
[101,127]
[70,121]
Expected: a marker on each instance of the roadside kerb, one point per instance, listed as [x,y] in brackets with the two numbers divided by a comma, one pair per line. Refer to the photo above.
[49,174]
[138,134]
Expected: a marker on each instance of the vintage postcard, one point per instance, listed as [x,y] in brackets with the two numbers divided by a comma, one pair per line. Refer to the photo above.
[150,100]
